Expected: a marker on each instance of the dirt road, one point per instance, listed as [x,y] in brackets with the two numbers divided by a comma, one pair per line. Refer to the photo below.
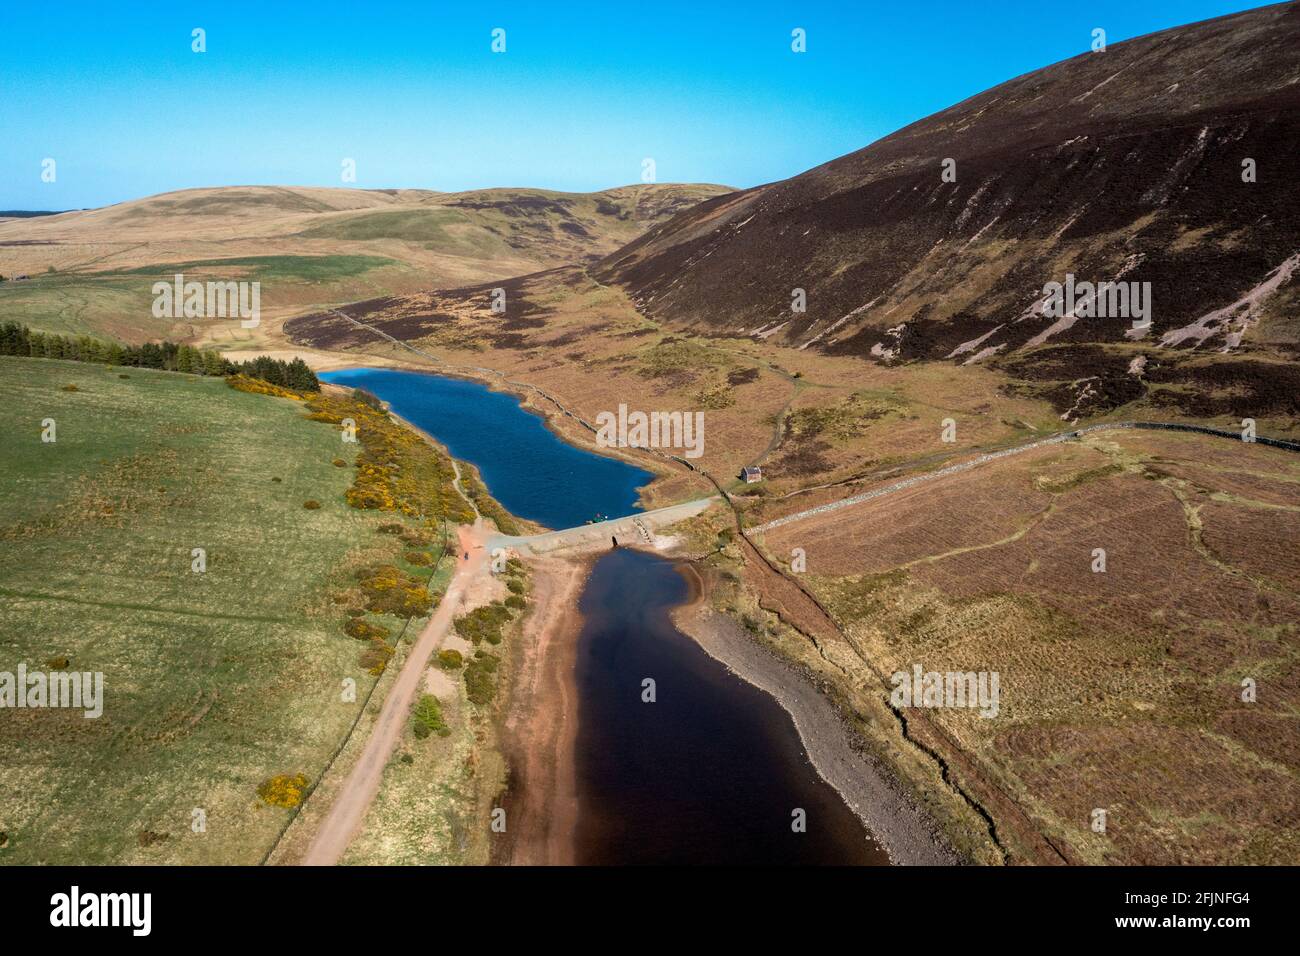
[358,792]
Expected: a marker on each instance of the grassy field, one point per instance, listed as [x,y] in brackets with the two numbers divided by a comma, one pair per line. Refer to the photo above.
[214,681]
[91,270]
[1120,689]
[118,303]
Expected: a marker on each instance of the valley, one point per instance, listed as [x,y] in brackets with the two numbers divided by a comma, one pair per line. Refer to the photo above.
[925,446]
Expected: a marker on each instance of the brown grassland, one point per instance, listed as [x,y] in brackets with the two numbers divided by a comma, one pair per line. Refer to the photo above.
[1120,690]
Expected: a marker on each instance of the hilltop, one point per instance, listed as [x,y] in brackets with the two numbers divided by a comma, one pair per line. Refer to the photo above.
[92,269]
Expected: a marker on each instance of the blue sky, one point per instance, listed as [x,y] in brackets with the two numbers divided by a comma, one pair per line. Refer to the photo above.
[413,93]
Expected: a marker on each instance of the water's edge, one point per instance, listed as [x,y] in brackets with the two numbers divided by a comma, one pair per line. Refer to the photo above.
[780,755]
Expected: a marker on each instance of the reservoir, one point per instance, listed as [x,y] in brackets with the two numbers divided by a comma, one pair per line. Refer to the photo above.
[713,771]
[526,466]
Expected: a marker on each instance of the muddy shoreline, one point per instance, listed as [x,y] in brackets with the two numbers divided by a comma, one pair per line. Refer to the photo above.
[540,725]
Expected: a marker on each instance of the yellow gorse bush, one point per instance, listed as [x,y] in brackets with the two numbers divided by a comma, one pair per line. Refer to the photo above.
[397,470]
[283,790]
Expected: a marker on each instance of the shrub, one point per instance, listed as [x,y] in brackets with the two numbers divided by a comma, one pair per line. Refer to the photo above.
[340,463]
[427,718]
[364,630]
[396,469]
[375,657]
[515,586]
[311,504]
[390,590]
[480,679]
[516,602]
[242,383]
[483,624]
[419,558]
[58,663]
[450,659]
[71,388]
[147,838]
[283,790]
[391,528]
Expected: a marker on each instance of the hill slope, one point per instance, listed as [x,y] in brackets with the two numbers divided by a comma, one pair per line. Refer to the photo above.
[1123,164]
[92,269]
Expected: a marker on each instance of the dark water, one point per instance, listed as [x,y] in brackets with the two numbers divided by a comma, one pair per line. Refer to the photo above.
[710,772]
[526,467]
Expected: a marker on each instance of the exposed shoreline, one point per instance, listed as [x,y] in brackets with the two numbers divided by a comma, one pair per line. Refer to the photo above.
[902,828]
[540,726]
[539,721]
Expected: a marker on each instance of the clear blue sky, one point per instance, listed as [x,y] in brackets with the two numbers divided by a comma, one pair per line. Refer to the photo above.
[413,93]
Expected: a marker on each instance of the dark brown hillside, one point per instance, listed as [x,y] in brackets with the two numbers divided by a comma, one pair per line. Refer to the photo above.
[1120,164]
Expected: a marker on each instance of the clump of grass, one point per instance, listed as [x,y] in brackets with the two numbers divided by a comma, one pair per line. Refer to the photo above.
[483,624]
[375,657]
[717,395]
[71,388]
[428,719]
[1065,483]
[480,679]
[311,504]
[671,356]
[420,559]
[58,663]
[450,660]
[364,630]
[283,790]
[844,420]
[390,590]
[147,838]
[339,463]
[488,506]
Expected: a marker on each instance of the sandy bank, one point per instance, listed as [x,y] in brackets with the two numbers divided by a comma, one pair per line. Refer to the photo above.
[540,722]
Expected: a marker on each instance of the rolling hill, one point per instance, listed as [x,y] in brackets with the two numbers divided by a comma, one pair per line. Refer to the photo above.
[92,269]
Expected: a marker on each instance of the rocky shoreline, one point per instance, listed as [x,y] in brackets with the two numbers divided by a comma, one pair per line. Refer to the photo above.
[902,828]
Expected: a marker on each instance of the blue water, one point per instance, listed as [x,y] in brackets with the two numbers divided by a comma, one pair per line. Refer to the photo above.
[526,467]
